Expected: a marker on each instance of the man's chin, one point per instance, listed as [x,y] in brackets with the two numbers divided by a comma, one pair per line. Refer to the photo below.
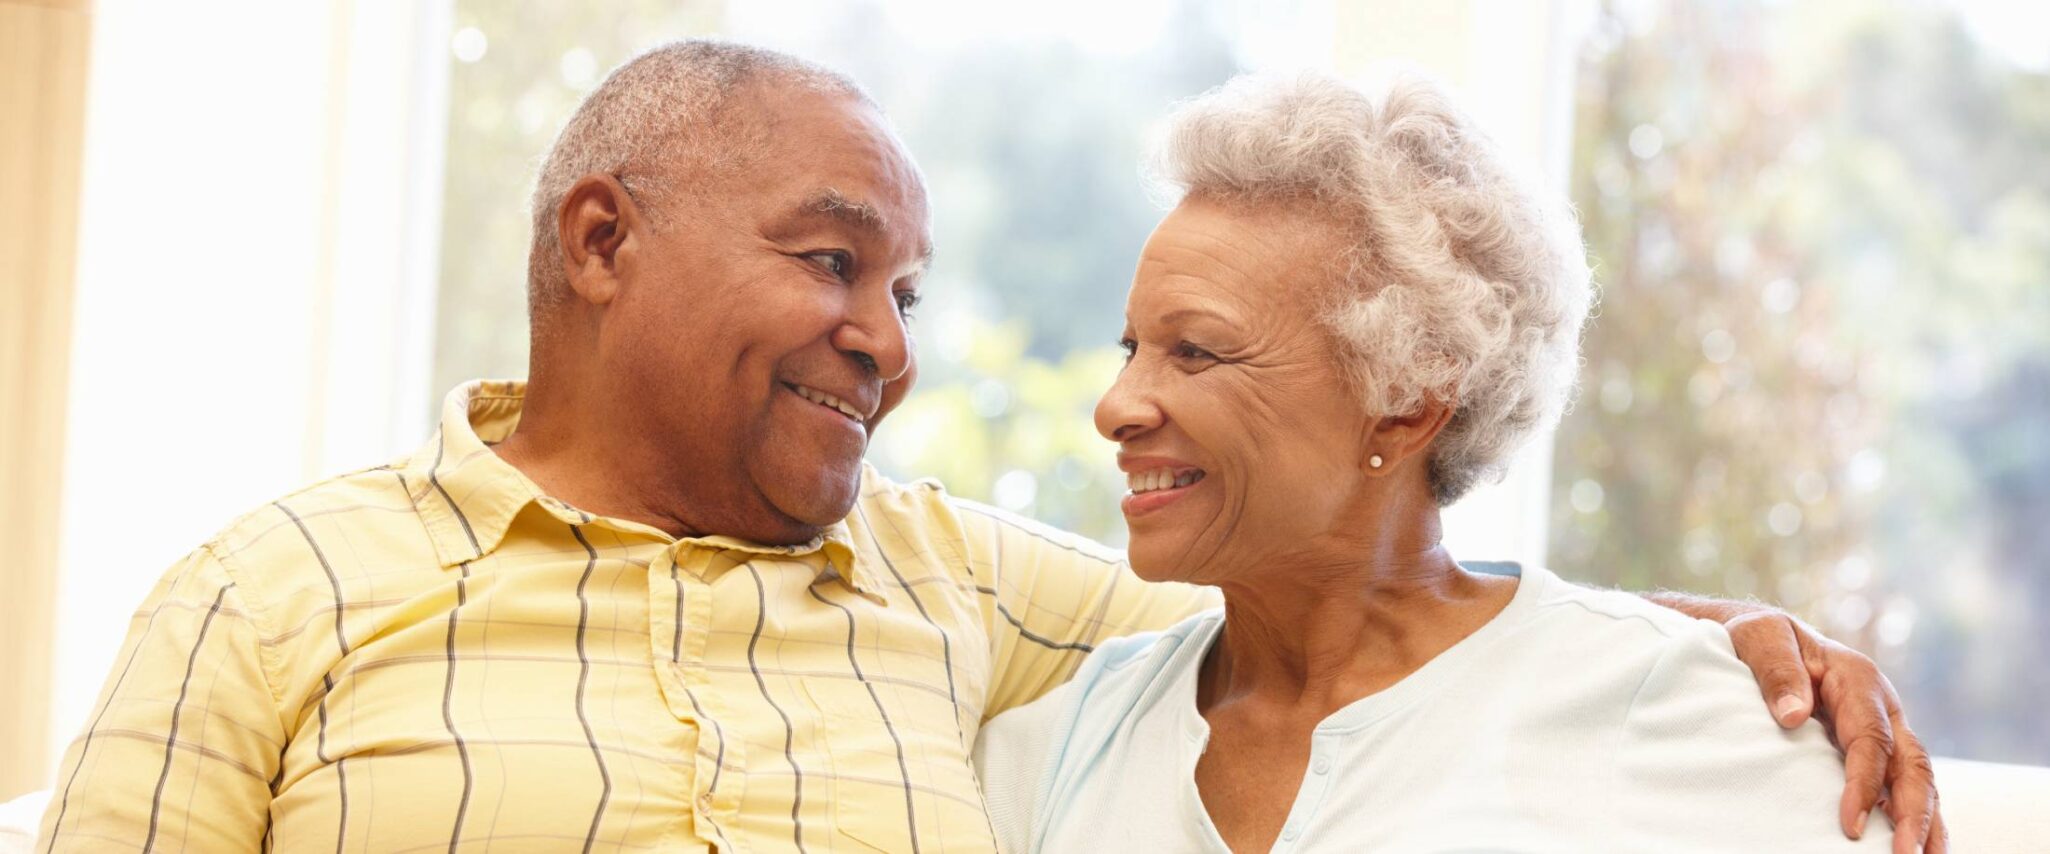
[817,501]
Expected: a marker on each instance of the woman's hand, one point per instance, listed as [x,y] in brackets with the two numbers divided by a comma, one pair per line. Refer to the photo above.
[1883,760]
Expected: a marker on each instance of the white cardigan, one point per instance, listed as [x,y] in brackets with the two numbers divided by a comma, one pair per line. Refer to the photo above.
[1575,720]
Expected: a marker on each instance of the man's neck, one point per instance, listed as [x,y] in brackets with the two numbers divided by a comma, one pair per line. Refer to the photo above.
[579,460]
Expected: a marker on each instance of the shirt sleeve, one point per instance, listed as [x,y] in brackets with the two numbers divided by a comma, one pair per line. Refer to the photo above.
[1701,764]
[183,745]
[1050,597]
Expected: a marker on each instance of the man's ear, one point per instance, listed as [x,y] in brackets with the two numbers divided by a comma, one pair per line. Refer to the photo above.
[597,227]
[1395,439]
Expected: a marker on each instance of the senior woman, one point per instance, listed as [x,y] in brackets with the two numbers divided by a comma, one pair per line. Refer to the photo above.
[1352,317]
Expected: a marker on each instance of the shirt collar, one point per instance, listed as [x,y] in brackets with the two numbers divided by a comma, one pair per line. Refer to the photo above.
[834,550]
[468,496]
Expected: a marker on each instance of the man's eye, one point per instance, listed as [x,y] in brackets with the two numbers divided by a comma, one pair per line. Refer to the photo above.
[1130,347]
[906,301]
[1187,350]
[835,262]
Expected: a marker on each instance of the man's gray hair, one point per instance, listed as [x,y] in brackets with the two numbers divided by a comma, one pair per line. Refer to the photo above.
[1460,283]
[659,123]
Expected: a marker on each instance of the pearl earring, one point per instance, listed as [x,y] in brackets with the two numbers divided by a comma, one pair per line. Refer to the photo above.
[1374,461]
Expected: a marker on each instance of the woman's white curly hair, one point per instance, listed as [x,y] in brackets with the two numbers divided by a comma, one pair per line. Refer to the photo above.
[1461,283]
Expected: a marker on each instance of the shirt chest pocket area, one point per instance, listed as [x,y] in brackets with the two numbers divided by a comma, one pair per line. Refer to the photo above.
[900,767]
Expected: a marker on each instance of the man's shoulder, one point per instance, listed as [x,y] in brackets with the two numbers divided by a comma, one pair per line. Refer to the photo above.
[266,546]
[979,525]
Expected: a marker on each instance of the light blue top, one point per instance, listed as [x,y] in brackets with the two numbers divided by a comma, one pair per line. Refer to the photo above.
[1575,720]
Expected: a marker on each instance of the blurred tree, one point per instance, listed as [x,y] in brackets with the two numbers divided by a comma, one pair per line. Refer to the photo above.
[509,93]
[1821,374]
[1818,376]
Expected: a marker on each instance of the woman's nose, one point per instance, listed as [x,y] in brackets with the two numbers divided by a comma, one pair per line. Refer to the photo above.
[1127,408]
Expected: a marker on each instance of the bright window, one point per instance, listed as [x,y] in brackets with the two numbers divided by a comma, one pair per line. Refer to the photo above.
[1821,374]
[1821,371]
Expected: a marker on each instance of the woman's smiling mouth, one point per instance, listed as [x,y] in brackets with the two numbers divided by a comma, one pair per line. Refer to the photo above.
[1154,488]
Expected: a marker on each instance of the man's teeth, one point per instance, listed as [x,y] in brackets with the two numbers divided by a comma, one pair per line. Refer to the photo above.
[824,399]
[1159,479]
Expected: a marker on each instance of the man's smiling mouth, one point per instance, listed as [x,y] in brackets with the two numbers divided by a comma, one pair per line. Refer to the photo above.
[826,400]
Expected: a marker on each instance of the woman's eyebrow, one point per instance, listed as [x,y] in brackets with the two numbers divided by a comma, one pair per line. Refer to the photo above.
[1192,313]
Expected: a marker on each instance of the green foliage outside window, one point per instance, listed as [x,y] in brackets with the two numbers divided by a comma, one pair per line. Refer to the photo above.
[1821,370]
[1820,375]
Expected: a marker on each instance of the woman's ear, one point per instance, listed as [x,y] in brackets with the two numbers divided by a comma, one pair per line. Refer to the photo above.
[597,226]
[1395,439]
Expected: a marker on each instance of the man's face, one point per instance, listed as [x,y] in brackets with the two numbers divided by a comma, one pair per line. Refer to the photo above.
[766,320]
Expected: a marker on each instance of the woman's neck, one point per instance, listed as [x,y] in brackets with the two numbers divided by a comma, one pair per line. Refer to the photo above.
[1318,633]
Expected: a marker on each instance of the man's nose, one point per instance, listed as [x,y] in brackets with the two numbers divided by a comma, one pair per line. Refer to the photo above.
[878,336]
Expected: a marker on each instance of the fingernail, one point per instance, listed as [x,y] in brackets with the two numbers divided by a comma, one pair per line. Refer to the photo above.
[1787,708]
[1858,827]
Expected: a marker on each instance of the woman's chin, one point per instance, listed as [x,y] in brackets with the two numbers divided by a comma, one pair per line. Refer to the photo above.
[1152,562]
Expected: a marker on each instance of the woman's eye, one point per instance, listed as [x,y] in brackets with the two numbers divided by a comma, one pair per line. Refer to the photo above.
[835,262]
[906,301]
[1187,350]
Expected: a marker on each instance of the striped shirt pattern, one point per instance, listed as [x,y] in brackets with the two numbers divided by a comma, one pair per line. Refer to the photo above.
[433,655]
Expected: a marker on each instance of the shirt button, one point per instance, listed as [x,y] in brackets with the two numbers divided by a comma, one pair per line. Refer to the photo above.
[1322,765]
[705,802]
[1290,831]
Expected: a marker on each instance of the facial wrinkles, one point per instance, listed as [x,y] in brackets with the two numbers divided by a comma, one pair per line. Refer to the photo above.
[819,143]
[1259,432]
[853,159]
[1263,414]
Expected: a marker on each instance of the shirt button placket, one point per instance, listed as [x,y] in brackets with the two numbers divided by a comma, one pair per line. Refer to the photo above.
[694,620]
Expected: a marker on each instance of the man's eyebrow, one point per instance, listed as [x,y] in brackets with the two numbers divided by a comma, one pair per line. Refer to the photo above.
[835,204]
[858,215]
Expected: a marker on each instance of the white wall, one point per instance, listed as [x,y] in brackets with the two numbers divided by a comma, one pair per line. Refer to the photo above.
[257,177]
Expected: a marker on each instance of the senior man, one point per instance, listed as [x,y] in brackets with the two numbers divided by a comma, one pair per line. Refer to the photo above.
[652,598]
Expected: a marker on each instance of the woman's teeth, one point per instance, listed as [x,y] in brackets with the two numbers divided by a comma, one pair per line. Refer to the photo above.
[1159,479]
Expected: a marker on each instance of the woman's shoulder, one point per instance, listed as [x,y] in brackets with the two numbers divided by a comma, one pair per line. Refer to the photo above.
[1686,739]
[1159,650]
[1606,605]
[1123,672]
[1618,621]
[1615,643]
[1022,755]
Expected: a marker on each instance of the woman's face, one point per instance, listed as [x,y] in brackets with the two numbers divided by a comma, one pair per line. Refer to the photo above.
[1235,424]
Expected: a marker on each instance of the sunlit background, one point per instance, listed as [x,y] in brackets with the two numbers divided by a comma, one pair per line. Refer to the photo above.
[1820,374]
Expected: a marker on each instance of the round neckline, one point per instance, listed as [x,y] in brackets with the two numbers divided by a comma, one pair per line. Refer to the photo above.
[1354,716]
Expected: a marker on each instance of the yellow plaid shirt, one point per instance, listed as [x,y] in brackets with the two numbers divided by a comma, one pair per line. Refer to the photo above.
[433,655]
